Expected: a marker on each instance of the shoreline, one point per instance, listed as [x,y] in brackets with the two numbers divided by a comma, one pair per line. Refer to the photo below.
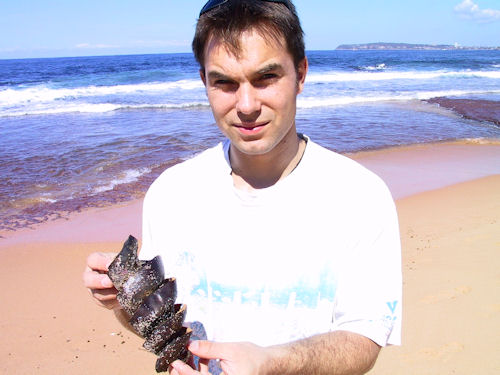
[105,224]
[406,169]
[413,169]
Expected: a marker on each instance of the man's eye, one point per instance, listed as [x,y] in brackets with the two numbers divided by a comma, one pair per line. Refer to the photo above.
[225,85]
[223,82]
[267,79]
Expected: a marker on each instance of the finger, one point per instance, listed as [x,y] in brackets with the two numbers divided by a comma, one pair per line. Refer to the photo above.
[104,294]
[203,366]
[96,280]
[208,349]
[100,261]
[182,369]
[105,297]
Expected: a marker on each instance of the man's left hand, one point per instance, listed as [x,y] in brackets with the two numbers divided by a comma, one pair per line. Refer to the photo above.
[235,358]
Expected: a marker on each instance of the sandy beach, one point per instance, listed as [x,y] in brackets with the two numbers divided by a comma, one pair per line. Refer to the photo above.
[448,201]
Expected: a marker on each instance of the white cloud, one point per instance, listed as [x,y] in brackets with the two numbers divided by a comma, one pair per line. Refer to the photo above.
[470,10]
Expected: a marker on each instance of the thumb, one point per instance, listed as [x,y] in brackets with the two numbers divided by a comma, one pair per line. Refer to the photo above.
[100,261]
[208,349]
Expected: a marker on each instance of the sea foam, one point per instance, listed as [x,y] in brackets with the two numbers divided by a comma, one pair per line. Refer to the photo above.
[396,75]
[126,177]
[327,101]
[44,93]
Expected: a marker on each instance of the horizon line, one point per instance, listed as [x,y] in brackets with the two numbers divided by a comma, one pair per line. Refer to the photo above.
[352,46]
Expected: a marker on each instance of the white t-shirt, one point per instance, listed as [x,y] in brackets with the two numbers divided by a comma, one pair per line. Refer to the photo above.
[318,251]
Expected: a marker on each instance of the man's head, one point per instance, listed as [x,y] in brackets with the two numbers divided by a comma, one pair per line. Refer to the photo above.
[227,20]
[253,65]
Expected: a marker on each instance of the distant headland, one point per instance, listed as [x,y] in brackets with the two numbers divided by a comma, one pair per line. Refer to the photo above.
[408,46]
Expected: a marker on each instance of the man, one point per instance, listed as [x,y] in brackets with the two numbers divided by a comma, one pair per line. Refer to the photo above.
[286,253]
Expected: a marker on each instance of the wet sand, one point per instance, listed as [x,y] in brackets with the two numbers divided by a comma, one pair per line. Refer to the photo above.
[450,237]
[412,169]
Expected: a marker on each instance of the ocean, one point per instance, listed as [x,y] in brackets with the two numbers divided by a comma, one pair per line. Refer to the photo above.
[94,131]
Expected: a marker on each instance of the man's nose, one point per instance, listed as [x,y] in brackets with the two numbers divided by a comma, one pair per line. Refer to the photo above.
[247,100]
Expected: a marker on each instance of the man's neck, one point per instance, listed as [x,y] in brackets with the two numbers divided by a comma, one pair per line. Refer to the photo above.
[252,172]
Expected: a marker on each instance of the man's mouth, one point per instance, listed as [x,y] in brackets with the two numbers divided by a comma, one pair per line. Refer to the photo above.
[250,128]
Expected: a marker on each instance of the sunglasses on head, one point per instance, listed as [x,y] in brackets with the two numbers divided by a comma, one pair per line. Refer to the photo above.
[211,4]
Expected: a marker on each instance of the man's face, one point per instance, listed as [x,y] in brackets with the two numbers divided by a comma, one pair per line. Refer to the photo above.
[253,96]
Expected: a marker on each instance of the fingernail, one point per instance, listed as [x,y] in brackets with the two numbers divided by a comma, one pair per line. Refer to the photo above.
[176,365]
[193,345]
[106,282]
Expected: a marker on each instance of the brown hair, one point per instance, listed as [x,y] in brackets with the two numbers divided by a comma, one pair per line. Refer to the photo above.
[228,21]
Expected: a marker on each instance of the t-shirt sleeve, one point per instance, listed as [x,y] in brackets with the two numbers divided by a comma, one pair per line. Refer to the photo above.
[369,293]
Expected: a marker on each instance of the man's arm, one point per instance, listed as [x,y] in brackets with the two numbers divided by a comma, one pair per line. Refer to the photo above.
[338,352]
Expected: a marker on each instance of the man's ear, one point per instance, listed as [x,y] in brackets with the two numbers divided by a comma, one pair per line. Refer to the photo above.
[203,77]
[302,69]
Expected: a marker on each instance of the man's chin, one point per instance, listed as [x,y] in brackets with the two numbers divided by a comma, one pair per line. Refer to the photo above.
[251,147]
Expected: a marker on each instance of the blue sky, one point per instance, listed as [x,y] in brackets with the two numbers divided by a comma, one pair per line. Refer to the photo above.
[51,28]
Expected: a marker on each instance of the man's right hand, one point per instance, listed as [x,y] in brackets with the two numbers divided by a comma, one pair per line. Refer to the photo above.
[96,280]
